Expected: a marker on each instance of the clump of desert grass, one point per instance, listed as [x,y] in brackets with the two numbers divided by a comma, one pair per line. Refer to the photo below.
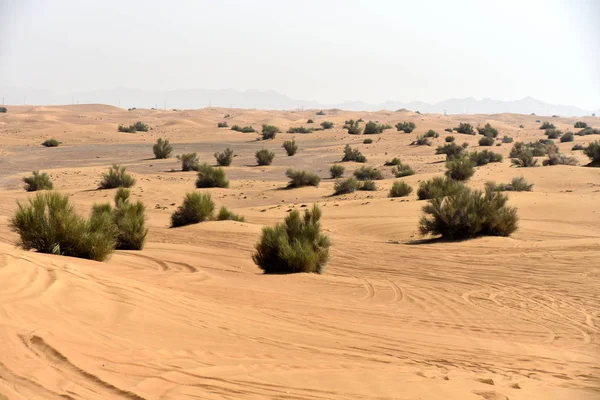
[38,181]
[116,177]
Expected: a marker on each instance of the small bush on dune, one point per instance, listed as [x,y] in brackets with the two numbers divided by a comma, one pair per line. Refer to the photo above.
[580,124]
[264,157]
[336,171]
[301,178]
[467,214]
[537,149]
[588,131]
[310,121]
[484,157]
[402,170]
[222,124]
[438,187]
[367,173]
[130,222]
[320,112]
[547,125]
[553,133]
[290,147]
[245,129]
[348,185]
[507,139]
[406,127]
[368,185]
[448,130]
[449,139]
[127,129]
[400,189]
[465,128]
[211,177]
[116,176]
[3,110]
[352,127]
[367,141]
[432,134]
[226,215]
[162,149]
[488,131]
[225,158]
[451,150]
[518,184]
[196,207]
[297,245]
[351,154]
[567,137]
[577,147]
[189,161]
[593,152]
[421,141]
[394,161]
[269,132]
[38,181]
[486,141]
[50,143]
[557,158]
[460,168]
[524,159]
[327,124]
[300,129]
[236,128]
[139,126]
[372,128]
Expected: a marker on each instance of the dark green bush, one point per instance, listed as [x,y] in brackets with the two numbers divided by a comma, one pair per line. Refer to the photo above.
[116,177]
[367,173]
[580,124]
[196,207]
[310,121]
[451,150]
[538,149]
[128,129]
[162,149]
[406,127]
[226,215]
[245,129]
[394,161]
[553,133]
[327,124]
[488,131]
[400,189]
[402,170]
[484,157]
[421,141]
[507,139]
[448,130]
[211,177]
[189,161]
[300,129]
[264,157]
[593,152]
[469,213]
[432,134]
[3,110]
[38,181]
[290,147]
[465,128]
[547,125]
[449,139]
[368,185]
[486,141]
[348,185]
[367,141]
[577,147]
[139,126]
[225,158]
[320,112]
[301,178]
[567,137]
[236,128]
[518,184]
[524,158]
[588,131]
[222,124]
[438,187]
[50,143]
[372,128]
[129,219]
[269,132]
[352,127]
[460,168]
[351,154]
[336,171]
[297,245]
[557,158]
[521,126]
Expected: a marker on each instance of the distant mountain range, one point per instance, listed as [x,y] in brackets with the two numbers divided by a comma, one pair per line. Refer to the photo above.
[200,98]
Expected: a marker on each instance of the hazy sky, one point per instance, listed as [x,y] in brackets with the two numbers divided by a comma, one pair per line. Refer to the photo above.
[324,50]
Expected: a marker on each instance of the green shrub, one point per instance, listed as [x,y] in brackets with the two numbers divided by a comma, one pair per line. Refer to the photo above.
[372,128]
[225,158]
[518,184]
[432,134]
[310,121]
[507,139]
[577,147]
[196,207]
[50,143]
[469,213]
[128,129]
[484,157]
[300,129]
[567,137]
[38,181]
[521,126]
[245,129]
[336,171]
[486,141]
[348,185]
[352,127]
[538,149]
[449,139]
[488,131]
[236,128]
[406,127]
[400,189]
[301,178]
[588,131]
[162,149]
[368,185]
[264,157]
[438,187]
[523,158]
[327,124]
[139,126]
[402,170]
[226,215]
[122,195]
[211,177]
[189,161]
[3,110]
[451,150]
[421,141]
[116,177]
[367,173]
[351,154]
[222,124]
[130,222]
[593,152]
[367,141]
[448,130]
[553,133]
[460,168]
[557,158]
[290,147]
[580,124]
[320,112]
[394,161]
[297,245]
[547,125]
[269,132]
[465,128]
[49,224]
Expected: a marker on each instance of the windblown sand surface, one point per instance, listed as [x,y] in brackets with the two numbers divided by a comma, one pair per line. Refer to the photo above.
[191,316]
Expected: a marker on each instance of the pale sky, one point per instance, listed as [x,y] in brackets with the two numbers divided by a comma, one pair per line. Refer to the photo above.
[323,50]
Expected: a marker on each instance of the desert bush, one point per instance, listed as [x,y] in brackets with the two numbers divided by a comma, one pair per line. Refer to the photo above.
[451,150]
[523,158]
[297,245]
[406,127]
[348,185]
[368,185]
[49,224]
[448,130]
[269,131]
[567,137]
[38,181]
[301,178]
[432,134]
[394,161]
[320,112]
[488,131]
[236,128]
[449,139]
[577,147]
[507,139]
[264,157]
[130,222]
[121,195]
[310,121]
[400,189]
[518,184]
[553,133]
[547,125]
[366,172]
[438,187]
[196,207]
[421,141]
[3,110]
[189,161]
[402,170]
[222,124]
[352,127]
[367,141]
[227,215]
[538,149]
[580,124]
[469,213]
[460,168]
[290,147]
[521,126]
[211,177]
[372,128]
[245,129]
[351,154]
[128,129]
[593,152]
[465,128]
[116,176]
[162,149]
[336,171]
[225,158]
[588,131]
[139,126]
[300,129]
[484,157]
[327,124]
[50,143]
[486,141]
[557,158]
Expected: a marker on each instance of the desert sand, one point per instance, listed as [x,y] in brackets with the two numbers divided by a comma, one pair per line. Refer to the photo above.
[392,317]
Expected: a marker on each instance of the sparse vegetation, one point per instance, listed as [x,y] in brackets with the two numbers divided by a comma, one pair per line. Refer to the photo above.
[189,161]
[449,139]
[406,127]
[116,176]
[351,154]
[451,150]
[310,121]
[320,112]
[367,141]
[402,170]
[400,189]
[297,245]
[211,177]
[227,215]
[269,131]
[469,213]
[290,147]
[162,149]
[547,125]
[421,141]
[488,131]
[438,187]
[394,161]
[245,129]
[577,147]
[538,149]
[372,128]
[567,137]
[139,126]
[196,207]
[465,128]
[460,168]
[336,171]
[225,158]
[300,129]
[518,184]
[368,185]
[50,143]
[486,141]
[366,172]
[353,127]
[448,130]
[222,124]
[301,178]
[264,157]
[129,220]
[327,124]
[553,133]
[593,152]
[524,158]
[580,124]
[432,134]
[507,139]
[3,110]
[127,129]
[38,181]
[588,131]
[345,186]
[484,157]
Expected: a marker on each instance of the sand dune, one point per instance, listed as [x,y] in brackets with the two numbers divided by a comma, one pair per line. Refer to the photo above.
[191,316]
